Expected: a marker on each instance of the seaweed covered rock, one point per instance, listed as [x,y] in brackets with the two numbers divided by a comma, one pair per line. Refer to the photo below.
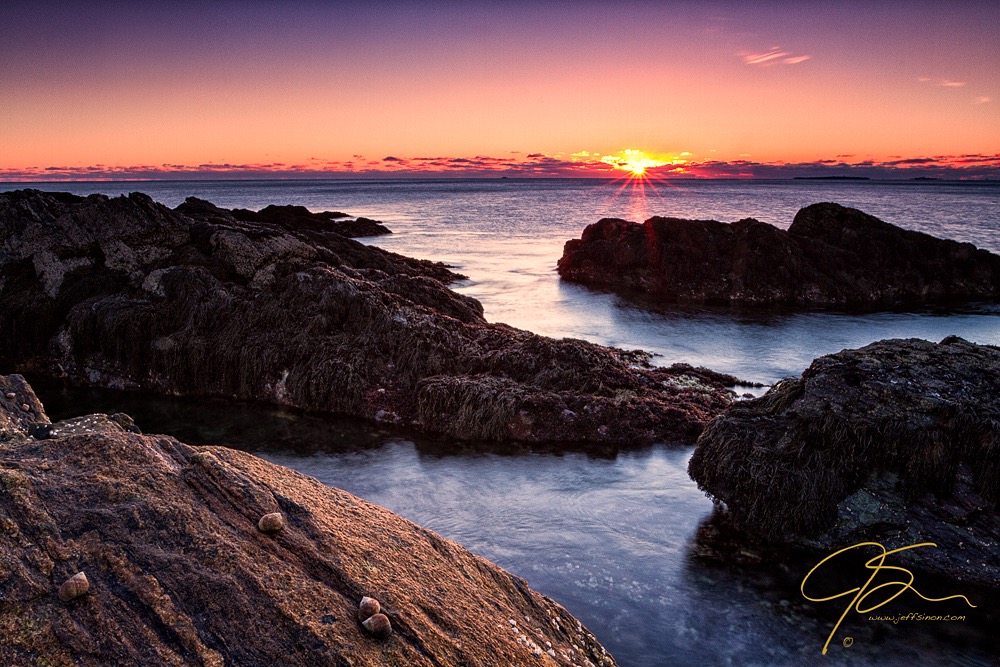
[299,217]
[127,293]
[831,256]
[896,442]
[119,548]
[290,218]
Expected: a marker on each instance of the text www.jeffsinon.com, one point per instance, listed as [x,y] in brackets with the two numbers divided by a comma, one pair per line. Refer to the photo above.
[895,619]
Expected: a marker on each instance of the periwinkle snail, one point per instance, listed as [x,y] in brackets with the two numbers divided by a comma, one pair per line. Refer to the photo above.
[376,623]
[74,587]
[271,523]
[368,608]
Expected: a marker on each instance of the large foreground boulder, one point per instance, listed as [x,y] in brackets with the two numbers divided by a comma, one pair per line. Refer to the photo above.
[831,256]
[178,568]
[127,293]
[897,442]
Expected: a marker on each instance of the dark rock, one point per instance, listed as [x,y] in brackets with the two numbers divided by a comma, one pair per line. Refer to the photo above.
[40,431]
[361,227]
[125,421]
[897,442]
[831,256]
[299,217]
[177,572]
[125,293]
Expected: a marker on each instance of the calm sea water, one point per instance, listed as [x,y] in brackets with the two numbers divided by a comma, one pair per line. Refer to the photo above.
[506,236]
[612,538]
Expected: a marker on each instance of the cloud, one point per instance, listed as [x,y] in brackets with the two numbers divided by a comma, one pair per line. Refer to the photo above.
[982,99]
[761,58]
[772,57]
[967,166]
[942,83]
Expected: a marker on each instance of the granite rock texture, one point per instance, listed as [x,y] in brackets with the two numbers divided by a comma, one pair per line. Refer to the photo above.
[180,573]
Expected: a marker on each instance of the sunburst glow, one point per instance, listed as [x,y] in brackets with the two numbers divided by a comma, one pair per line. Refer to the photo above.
[637,162]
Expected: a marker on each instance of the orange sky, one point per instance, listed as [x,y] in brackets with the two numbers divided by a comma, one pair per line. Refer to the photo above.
[314,85]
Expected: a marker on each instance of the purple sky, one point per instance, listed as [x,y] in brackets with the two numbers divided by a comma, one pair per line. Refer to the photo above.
[210,88]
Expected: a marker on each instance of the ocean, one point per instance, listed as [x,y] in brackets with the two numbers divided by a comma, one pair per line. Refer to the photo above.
[507,234]
[612,538]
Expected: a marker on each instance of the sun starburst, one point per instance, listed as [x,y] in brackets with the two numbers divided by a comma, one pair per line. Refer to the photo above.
[642,175]
[636,162]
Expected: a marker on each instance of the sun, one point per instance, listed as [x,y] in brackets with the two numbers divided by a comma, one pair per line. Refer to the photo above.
[635,161]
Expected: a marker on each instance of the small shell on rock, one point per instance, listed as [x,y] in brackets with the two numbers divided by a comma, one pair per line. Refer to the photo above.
[11,395]
[368,608]
[271,523]
[74,587]
[378,625]
[25,407]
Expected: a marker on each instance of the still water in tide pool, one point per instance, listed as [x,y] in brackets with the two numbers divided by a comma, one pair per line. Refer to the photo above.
[612,538]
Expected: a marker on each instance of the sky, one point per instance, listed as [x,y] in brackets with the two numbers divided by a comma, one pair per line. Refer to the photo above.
[177,89]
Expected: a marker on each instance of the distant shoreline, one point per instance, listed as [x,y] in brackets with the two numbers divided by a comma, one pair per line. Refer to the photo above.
[507,179]
[831,178]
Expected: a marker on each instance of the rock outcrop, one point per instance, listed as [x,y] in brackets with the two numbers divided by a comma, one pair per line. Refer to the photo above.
[289,218]
[167,565]
[126,293]
[897,442]
[831,256]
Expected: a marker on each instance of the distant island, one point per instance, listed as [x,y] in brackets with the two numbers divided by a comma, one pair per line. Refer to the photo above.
[831,178]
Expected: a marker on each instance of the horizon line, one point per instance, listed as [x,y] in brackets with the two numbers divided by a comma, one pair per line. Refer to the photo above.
[390,176]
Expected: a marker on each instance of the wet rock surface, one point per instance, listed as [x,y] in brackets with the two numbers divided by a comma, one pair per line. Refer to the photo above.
[120,548]
[126,293]
[897,442]
[831,257]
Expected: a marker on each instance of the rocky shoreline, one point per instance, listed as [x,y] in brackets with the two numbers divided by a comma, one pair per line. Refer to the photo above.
[896,442]
[123,548]
[830,257]
[280,306]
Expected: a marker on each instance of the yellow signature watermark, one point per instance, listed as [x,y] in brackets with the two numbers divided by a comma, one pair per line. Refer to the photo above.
[900,581]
